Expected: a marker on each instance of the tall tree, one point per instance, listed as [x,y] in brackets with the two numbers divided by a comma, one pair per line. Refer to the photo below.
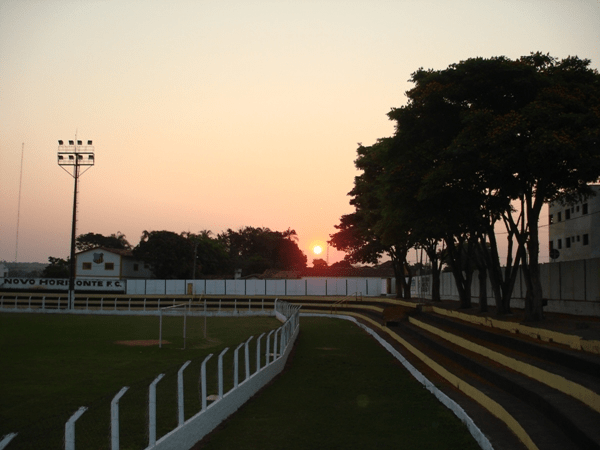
[372,231]
[496,131]
[255,250]
[169,254]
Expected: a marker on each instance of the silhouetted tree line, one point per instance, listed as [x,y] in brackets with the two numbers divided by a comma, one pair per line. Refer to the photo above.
[195,255]
[481,144]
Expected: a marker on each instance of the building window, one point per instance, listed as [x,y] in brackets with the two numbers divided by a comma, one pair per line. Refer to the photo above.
[551,245]
[559,243]
[584,208]
[136,267]
[568,243]
[109,266]
[578,238]
[551,219]
[87,266]
[567,214]
[559,217]
[586,239]
[577,208]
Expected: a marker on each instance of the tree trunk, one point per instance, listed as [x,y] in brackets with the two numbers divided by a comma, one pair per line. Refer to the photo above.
[534,301]
[483,303]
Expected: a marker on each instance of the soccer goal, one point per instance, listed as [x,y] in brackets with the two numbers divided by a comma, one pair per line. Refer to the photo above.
[181,310]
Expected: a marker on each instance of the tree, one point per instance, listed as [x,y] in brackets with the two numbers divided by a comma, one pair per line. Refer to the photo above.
[210,254]
[169,254]
[320,263]
[58,268]
[92,240]
[371,230]
[255,250]
[495,132]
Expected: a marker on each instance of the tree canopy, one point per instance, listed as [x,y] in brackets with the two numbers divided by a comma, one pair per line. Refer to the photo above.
[88,241]
[481,142]
[255,250]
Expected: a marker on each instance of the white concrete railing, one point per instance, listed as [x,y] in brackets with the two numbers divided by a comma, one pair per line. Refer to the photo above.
[189,432]
[115,305]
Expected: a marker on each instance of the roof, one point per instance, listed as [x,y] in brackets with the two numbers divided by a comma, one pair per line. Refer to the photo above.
[117,251]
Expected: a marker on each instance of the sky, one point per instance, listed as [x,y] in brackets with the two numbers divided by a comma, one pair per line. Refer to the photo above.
[209,115]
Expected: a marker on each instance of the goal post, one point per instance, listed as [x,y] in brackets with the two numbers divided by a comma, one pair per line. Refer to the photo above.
[180,309]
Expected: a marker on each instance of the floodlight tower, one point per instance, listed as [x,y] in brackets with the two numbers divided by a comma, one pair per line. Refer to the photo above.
[71,158]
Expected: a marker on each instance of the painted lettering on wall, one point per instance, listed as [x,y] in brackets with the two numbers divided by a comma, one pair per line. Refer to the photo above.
[57,283]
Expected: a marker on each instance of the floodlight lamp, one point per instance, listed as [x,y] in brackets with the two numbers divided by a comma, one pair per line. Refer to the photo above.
[71,157]
[60,157]
[60,142]
[91,157]
[79,156]
[89,143]
[78,142]
[71,143]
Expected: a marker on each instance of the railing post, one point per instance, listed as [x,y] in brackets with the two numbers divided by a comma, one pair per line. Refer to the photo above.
[203,381]
[247,357]
[70,429]
[152,410]
[282,338]
[160,328]
[43,303]
[275,343]
[258,352]
[268,350]
[9,437]
[114,419]
[101,303]
[184,324]
[220,369]
[235,365]
[180,392]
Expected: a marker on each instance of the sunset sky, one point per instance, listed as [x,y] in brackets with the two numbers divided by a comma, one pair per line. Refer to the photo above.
[208,115]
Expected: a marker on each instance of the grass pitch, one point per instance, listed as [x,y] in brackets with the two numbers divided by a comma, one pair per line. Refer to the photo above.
[341,390]
[52,364]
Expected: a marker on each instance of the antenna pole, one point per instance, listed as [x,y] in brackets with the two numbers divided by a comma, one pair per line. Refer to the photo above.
[19,204]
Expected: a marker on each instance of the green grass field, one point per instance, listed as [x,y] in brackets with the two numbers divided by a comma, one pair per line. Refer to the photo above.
[54,363]
[342,389]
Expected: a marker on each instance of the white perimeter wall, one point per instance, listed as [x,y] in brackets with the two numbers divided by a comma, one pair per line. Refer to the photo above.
[571,287]
[371,287]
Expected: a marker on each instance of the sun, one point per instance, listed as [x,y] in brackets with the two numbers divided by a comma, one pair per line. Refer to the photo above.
[317,249]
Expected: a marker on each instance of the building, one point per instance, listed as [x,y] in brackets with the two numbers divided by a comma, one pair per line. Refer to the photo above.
[110,263]
[3,271]
[575,229]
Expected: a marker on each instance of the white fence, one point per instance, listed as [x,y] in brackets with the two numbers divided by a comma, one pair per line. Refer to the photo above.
[277,347]
[570,287]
